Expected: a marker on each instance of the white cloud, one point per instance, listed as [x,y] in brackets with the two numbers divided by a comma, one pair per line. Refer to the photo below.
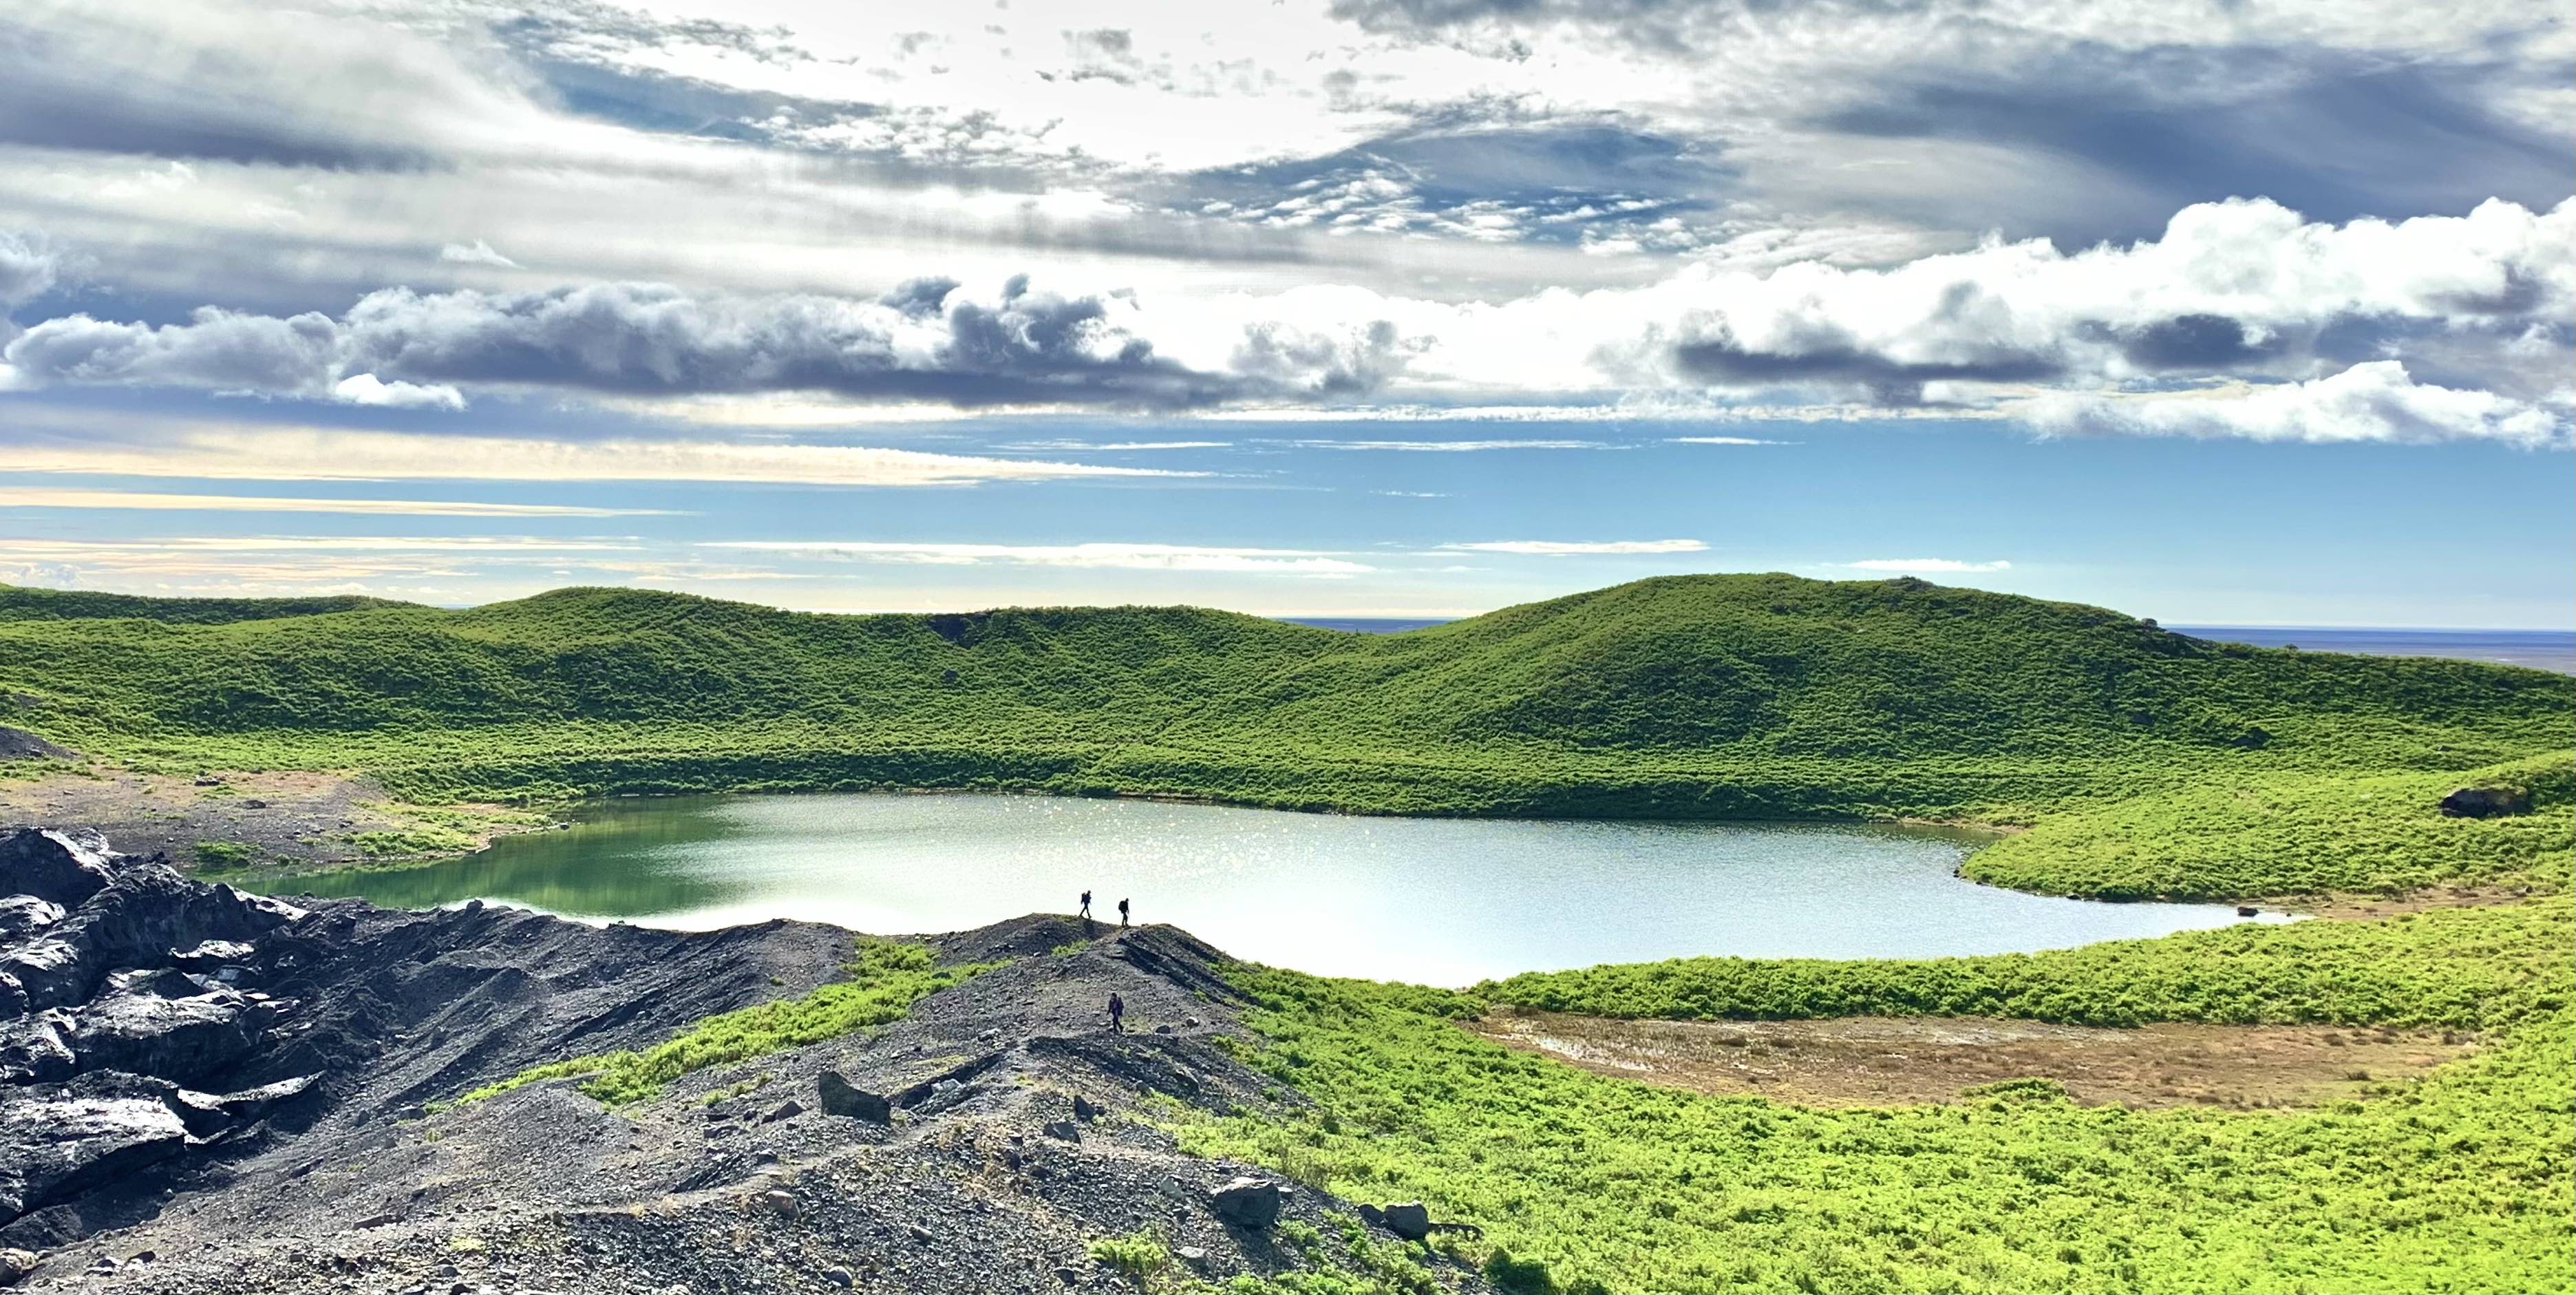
[2373,401]
[477,252]
[155,501]
[325,543]
[1721,440]
[1927,566]
[27,268]
[2241,289]
[366,389]
[1067,446]
[1454,447]
[1566,548]
[1096,555]
[255,452]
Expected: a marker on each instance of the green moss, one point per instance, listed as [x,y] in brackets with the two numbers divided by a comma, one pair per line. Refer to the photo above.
[1139,1256]
[884,983]
[220,855]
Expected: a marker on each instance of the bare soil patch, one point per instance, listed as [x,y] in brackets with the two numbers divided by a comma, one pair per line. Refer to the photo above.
[1884,1061]
[293,818]
[2355,908]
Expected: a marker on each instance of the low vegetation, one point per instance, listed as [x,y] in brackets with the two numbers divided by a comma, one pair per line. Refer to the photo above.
[2144,764]
[2459,1181]
[883,984]
[2299,834]
[1704,696]
[2462,968]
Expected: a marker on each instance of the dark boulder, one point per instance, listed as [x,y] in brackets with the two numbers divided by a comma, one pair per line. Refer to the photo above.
[58,1140]
[1247,1203]
[162,1023]
[1410,1220]
[19,744]
[150,911]
[65,868]
[841,1097]
[24,915]
[16,1266]
[2485,802]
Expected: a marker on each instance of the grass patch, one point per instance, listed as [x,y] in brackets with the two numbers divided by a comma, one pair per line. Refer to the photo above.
[220,855]
[2298,834]
[885,981]
[1583,1183]
[1140,1256]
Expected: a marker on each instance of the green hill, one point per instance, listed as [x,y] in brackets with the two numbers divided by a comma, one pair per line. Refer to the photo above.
[1705,696]
[2147,764]
[23,604]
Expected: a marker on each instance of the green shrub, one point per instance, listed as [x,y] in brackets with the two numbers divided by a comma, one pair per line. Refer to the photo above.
[1139,1256]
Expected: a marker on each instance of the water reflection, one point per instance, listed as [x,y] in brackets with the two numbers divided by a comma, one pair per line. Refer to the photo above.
[1443,901]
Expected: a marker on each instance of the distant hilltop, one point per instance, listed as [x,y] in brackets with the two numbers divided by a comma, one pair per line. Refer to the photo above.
[1693,696]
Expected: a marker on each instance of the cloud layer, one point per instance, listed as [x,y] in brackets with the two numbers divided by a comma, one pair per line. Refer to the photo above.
[2236,292]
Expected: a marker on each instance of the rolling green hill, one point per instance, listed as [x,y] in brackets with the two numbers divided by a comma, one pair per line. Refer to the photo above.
[1708,696]
[2145,764]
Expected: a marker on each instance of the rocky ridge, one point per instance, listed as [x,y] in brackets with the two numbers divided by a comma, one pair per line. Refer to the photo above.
[209,1092]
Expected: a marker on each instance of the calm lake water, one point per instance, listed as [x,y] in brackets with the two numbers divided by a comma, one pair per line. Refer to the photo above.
[1435,901]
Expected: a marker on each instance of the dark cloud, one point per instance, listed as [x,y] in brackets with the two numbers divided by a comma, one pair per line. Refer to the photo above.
[1889,382]
[217,349]
[2204,342]
[676,105]
[57,92]
[925,342]
[2313,130]
[1025,347]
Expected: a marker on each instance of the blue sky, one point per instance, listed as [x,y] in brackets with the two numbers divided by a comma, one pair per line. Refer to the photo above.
[2215,313]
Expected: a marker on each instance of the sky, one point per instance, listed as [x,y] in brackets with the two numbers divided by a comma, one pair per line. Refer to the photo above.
[2217,311]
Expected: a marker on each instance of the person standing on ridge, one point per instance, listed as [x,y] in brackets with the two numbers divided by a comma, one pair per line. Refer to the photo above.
[1117,1014]
[1122,912]
[1086,906]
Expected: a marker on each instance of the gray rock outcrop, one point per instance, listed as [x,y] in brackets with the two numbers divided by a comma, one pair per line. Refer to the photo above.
[1247,1202]
[841,1097]
[1410,1220]
[2485,802]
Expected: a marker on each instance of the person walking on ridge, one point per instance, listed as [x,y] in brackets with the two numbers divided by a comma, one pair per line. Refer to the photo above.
[1117,1014]
[1086,906]
[1122,912]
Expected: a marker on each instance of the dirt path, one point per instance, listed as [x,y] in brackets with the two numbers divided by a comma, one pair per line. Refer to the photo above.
[240,819]
[1878,1061]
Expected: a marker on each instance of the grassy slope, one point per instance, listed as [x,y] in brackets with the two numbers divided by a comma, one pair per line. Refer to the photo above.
[2463,1180]
[2133,752]
[1721,696]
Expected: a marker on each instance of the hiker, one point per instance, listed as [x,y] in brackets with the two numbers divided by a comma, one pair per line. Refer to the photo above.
[1086,906]
[1117,1014]
[1122,912]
